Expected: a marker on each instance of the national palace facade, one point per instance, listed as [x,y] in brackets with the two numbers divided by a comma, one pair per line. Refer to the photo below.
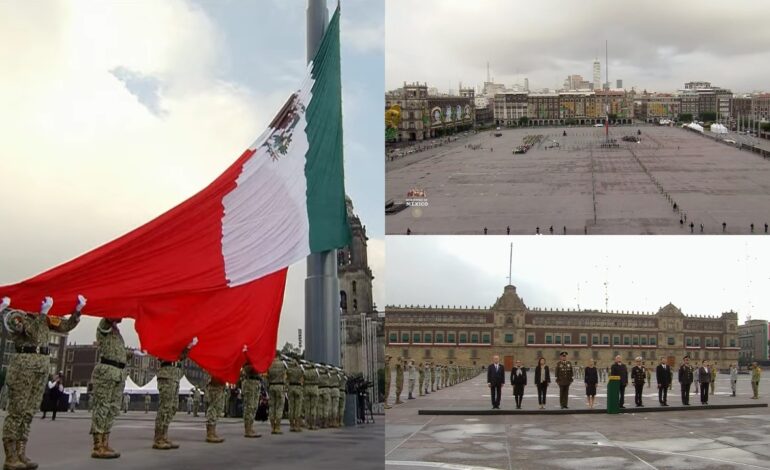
[471,336]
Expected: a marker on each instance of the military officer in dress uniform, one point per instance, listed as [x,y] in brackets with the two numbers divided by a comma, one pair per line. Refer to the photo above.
[685,380]
[169,375]
[215,404]
[638,376]
[251,386]
[563,378]
[27,371]
[276,376]
[399,380]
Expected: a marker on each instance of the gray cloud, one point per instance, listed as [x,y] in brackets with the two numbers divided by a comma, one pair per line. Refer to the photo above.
[654,44]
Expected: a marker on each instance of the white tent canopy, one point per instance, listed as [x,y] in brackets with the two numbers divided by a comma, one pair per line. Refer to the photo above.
[695,127]
[150,388]
[718,128]
[185,386]
[131,386]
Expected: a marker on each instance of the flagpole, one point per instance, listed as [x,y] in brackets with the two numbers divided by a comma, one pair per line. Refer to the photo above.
[322,304]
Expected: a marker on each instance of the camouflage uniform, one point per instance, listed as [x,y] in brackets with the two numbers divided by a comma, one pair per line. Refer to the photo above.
[250,388]
[295,376]
[343,388]
[215,404]
[276,375]
[169,375]
[196,394]
[421,371]
[27,374]
[324,400]
[108,379]
[399,381]
[310,397]
[147,400]
[334,401]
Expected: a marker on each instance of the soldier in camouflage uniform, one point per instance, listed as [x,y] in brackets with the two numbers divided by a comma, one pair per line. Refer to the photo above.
[27,372]
[399,380]
[169,375]
[434,378]
[196,394]
[250,388]
[310,397]
[334,397]
[387,381]
[276,376]
[343,388]
[428,375]
[296,377]
[147,400]
[215,404]
[109,379]
[324,402]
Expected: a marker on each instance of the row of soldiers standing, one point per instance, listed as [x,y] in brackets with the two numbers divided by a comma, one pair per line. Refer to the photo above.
[427,376]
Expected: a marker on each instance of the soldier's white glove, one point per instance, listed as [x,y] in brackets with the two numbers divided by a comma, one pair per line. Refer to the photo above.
[140,353]
[46,305]
[5,303]
[245,348]
[81,303]
[193,342]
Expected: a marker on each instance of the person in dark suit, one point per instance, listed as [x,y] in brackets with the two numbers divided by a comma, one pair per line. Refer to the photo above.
[542,379]
[495,381]
[618,368]
[705,382]
[663,375]
[685,380]
[518,380]
[591,378]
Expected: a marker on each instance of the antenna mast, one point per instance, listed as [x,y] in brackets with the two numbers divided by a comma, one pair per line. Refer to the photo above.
[510,266]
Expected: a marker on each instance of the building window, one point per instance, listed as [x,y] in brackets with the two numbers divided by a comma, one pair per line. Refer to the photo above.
[696,342]
[463,338]
[485,338]
[415,337]
[671,341]
[548,339]
[643,339]
[354,287]
[616,340]
[606,340]
[427,337]
[530,339]
[355,305]
[688,341]
[343,300]
[558,339]
[716,342]
[439,337]
[404,337]
[595,339]
[583,339]
[509,338]
[567,339]
[652,340]
[474,338]
[708,342]
[70,356]
[732,343]
[451,338]
[626,340]
[636,340]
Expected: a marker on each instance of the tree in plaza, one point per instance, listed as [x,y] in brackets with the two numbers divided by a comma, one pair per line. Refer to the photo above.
[523,121]
[685,117]
[708,116]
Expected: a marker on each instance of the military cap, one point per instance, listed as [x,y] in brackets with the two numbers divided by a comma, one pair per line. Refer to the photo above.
[686,357]
[563,353]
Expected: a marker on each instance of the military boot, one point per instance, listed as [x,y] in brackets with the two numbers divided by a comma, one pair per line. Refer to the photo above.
[106,445]
[167,440]
[21,453]
[100,451]
[249,430]
[277,428]
[12,461]
[158,442]
[211,434]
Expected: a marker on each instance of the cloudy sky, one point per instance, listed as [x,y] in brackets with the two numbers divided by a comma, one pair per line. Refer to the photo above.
[113,112]
[701,275]
[656,44]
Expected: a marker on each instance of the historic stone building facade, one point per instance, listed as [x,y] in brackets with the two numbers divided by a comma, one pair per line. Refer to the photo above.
[470,336]
[425,115]
[362,326]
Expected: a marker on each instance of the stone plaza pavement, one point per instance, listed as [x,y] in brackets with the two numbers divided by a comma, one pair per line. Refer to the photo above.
[579,187]
[65,444]
[696,438]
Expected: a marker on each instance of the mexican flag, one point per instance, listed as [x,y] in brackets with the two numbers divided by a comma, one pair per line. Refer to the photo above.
[215,266]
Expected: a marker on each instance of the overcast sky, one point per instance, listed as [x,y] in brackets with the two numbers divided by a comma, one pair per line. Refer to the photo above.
[113,112]
[702,275]
[655,44]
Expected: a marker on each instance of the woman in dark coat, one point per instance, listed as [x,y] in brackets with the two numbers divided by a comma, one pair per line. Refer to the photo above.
[542,379]
[591,378]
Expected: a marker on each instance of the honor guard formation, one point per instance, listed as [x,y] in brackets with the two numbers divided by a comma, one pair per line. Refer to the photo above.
[315,393]
[427,376]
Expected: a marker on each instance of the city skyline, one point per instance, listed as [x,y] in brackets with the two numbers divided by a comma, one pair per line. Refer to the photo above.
[647,50]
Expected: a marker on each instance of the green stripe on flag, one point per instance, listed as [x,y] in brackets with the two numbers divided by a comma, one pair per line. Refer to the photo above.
[324,168]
